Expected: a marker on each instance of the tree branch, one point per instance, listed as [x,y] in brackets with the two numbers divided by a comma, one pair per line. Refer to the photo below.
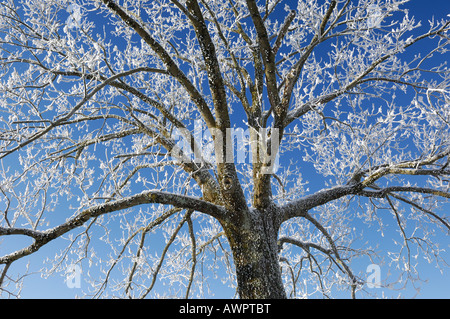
[353,281]
[267,53]
[405,168]
[172,68]
[305,246]
[283,30]
[383,192]
[212,64]
[63,119]
[300,207]
[388,191]
[305,108]
[147,197]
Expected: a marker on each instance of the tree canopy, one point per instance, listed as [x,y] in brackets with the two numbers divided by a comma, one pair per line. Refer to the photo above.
[258,143]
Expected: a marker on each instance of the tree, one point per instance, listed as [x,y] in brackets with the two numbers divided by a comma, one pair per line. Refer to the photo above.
[119,122]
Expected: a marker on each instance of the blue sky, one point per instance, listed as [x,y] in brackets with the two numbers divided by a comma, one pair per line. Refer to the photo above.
[438,285]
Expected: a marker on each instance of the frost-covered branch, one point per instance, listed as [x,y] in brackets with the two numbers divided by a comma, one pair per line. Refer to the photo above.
[148,197]
[172,68]
[361,78]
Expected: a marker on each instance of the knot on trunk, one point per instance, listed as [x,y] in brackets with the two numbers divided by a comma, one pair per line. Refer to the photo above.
[227,182]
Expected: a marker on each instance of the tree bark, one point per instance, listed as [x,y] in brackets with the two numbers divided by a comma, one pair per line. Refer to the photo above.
[255,252]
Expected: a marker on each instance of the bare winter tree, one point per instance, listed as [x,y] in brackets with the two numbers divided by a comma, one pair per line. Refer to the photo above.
[175,141]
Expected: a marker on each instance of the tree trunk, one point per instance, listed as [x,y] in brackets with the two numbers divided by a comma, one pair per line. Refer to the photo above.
[254,246]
